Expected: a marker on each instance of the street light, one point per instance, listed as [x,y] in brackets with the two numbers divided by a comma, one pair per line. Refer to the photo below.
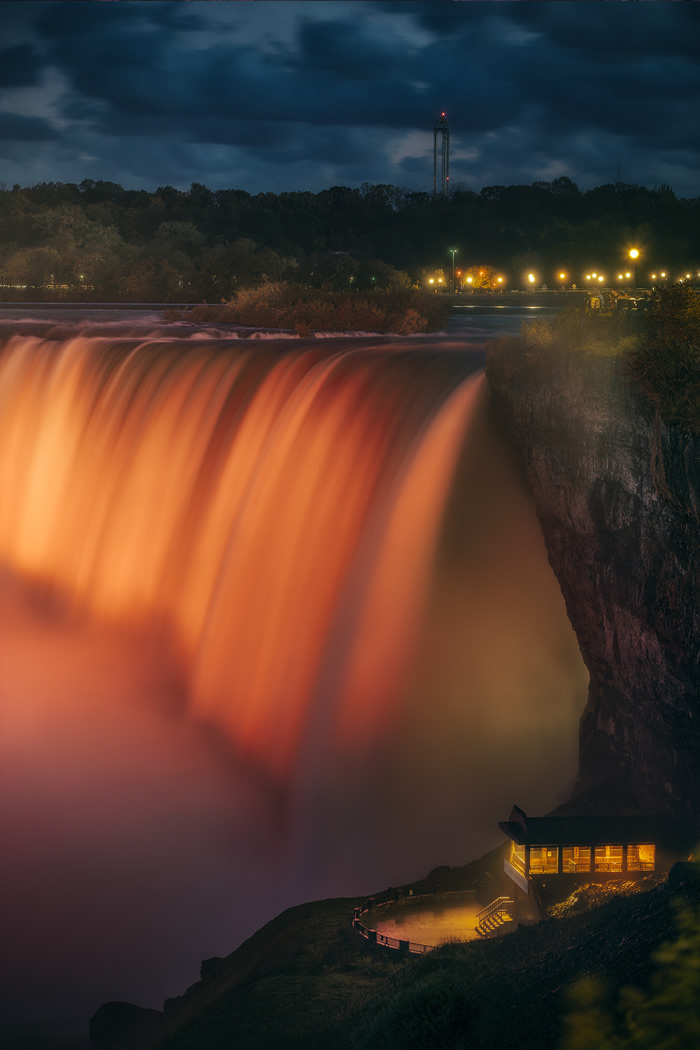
[453,252]
[634,255]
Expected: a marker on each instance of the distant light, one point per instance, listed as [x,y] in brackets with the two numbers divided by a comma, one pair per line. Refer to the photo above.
[595,274]
[562,276]
[601,278]
[500,280]
[531,278]
[634,253]
[653,277]
[663,274]
[469,280]
[431,281]
[620,277]
[688,276]
[628,275]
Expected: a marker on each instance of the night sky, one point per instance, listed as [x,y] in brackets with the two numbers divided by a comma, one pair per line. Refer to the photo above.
[263,95]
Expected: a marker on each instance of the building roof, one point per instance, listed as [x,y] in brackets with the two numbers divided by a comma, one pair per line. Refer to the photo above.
[584,831]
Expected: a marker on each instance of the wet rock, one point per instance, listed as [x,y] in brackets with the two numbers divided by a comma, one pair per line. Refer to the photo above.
[617,493]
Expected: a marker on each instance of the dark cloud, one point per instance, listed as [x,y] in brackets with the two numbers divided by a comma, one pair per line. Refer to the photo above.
[18,66]
[16,128]
[350,89]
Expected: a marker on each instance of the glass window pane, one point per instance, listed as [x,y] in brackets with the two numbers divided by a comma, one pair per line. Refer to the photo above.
[641,858]
[544,860]
[517,857]
[576,858]
[608,858]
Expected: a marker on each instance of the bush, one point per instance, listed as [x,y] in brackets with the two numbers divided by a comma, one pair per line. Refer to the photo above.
[660,348]
[278,304]
[666,363]
[662,1017]
[434,1014]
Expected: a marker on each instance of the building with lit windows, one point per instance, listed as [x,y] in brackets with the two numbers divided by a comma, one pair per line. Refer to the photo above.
[587,849]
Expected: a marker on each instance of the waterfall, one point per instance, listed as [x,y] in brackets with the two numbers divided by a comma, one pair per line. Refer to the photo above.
[276,624]
[264,507]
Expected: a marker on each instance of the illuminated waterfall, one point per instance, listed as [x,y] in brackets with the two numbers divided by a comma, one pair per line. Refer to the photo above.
[272,508]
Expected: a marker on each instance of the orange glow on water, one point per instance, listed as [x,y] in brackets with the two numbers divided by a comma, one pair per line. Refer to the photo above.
[275,511]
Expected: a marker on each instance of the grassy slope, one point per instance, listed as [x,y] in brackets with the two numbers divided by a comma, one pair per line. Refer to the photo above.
[307,981]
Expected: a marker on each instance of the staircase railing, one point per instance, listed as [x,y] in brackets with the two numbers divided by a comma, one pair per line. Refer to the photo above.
[500,905]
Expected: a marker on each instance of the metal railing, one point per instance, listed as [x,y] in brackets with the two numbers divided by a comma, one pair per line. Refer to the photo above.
[383,940]
[501,905]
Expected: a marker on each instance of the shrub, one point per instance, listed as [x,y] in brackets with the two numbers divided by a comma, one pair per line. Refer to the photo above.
[278,304]
[666,363]
[662,1017]
[434,1014]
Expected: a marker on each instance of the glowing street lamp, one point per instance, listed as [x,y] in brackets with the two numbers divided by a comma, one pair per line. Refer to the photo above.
[531,278]
[453,252]
[634,255]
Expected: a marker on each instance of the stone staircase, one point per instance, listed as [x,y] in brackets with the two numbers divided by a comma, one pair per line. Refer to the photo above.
[495,916]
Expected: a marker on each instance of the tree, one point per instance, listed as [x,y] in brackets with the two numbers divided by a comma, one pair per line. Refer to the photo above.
[663,1017]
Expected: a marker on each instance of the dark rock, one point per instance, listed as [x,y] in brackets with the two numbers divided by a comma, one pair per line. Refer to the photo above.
[123,1026]
[211,967]
[617,493]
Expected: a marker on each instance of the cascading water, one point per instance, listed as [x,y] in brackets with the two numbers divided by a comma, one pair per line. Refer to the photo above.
[317,549]
[242,498]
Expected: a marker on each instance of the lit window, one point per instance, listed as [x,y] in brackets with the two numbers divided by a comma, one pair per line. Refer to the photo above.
[544,860]
[608,858]
[517,857]
[576,858]
[641,858]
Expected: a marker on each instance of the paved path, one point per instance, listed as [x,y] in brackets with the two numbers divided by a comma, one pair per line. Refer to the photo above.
[427,923]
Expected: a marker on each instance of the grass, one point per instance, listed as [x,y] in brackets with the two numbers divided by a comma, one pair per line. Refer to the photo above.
[660,349]
[280,304]
[306,981]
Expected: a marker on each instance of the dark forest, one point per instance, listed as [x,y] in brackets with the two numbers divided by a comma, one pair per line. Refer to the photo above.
[98,241]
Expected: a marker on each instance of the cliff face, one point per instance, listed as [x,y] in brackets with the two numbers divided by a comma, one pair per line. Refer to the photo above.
[617,494]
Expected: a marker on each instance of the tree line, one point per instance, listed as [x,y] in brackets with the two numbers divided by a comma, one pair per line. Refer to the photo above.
[97,240]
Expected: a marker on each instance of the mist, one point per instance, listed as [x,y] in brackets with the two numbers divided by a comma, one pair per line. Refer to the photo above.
[139,839]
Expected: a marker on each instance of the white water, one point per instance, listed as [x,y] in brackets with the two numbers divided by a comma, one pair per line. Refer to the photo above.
[439,679]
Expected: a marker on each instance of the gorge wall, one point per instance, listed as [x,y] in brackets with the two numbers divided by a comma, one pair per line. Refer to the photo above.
[617,493]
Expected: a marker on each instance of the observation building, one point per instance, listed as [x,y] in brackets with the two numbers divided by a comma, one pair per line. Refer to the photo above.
[587,849]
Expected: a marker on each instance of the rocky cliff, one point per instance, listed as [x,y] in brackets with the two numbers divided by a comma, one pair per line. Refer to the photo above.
[617,493]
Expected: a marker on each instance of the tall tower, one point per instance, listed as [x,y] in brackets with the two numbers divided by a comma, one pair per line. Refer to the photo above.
[441,130]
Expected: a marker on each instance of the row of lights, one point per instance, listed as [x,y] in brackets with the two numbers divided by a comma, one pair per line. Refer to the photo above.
[628,275]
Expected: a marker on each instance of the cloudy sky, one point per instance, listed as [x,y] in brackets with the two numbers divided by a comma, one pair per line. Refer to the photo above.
[276,95]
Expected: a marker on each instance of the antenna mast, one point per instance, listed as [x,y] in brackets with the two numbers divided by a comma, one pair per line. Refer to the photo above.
[441,131]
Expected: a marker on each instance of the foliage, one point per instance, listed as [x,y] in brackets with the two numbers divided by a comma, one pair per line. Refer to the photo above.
[482,276]
[660,348]
[663,1016]
[221,241]
[279,304]
[435,1013]
[666,364]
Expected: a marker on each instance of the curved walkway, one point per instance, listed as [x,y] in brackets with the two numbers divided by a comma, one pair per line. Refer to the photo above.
[418,924]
